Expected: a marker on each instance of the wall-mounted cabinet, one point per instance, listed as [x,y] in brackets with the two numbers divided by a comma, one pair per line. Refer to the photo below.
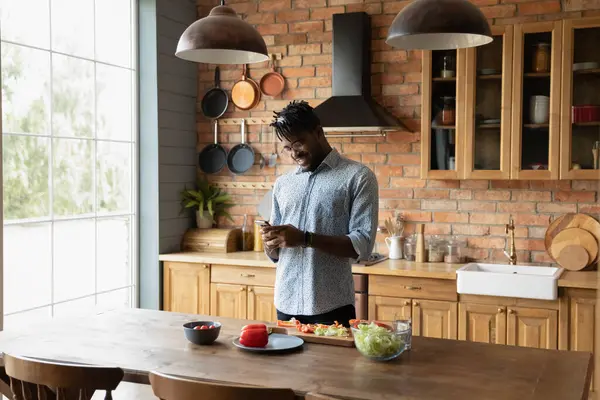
[513,103]
[580,107]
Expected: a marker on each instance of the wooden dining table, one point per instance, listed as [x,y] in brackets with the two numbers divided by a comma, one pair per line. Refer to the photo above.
[140,341]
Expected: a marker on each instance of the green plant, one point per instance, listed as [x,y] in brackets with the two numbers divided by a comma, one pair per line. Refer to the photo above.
[206,198]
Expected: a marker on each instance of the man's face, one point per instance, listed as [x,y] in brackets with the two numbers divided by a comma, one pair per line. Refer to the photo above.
[303,149]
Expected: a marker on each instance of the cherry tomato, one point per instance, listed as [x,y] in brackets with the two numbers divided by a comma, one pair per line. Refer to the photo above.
[211,327]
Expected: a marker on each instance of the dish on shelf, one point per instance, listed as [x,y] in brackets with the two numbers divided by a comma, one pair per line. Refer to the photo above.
[490,121]
[585,113]
[585,65]
[488,71]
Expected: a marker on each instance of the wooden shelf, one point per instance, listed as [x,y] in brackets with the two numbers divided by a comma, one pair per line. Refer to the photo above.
[488,126]
[443,127]
[587,71]
[537,74]
[536,126]
[595,123]
[243,185]
[489,77]
[440,79]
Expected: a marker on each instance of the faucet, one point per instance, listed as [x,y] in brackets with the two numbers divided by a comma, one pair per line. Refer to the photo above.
[512,256]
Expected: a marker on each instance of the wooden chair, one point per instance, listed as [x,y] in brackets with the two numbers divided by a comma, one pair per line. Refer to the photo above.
[34,379]
[168,387]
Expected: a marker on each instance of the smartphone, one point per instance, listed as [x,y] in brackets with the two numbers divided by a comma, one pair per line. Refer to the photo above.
[262,222]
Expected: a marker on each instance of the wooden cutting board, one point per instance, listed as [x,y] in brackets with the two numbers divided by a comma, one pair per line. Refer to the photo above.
[312,338]
[572,220]
[574,236]
[573,258]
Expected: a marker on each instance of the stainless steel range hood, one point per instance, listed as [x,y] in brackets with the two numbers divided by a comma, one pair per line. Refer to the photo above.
[351,107]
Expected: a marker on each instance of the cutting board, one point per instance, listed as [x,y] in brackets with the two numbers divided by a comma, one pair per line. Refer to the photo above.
[312,338]
[572,220]
[573,258]
[574,236]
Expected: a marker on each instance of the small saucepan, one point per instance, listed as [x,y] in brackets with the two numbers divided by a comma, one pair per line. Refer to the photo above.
[241,158]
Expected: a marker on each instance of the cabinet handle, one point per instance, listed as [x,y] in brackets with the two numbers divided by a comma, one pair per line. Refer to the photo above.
[205,267]
[416,304]
[511,311]
[407,303]
[500,310]
[247,275]
[412,287]
[242,289]
[251,290]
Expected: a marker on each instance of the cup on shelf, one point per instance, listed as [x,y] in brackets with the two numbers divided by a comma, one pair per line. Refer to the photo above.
[539,109]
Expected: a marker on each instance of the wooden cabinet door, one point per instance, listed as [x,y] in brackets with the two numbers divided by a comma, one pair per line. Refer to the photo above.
[261,306]
[186,288]
[581,87]
[383,308]
[532,327]
[228,300]
[435,319]
[583,326]
[488,98]
[482,323]
[532,142]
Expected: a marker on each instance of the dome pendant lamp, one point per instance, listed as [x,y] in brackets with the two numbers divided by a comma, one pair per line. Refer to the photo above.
[439,25]
[222,38]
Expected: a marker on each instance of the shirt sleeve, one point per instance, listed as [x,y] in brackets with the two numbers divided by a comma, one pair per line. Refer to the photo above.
[364,215]
[275,218]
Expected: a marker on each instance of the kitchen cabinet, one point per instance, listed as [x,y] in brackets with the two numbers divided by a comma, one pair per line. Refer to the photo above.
[436,319]
[228,300]
[385,308]
[488,108]
[260,303]
[186,287]
[532,327]
[482,323]
[580,129]
[443,106]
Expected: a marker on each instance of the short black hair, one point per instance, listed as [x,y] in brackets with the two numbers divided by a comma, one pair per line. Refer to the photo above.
[296,118]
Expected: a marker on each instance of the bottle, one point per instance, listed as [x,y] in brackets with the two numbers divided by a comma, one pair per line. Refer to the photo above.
[420,247]
[246,235]
[541,58]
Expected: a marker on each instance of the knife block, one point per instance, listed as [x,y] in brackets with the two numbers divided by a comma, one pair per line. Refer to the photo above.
[212,240]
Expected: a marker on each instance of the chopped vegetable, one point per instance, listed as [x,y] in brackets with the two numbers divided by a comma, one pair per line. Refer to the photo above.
[306,328]
[292,323]
[331,330]
[373,340]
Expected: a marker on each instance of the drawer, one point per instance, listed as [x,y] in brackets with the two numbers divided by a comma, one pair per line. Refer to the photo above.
[242,275]
[414,288]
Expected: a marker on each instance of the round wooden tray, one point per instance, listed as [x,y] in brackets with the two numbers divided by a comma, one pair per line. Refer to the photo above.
[572,220]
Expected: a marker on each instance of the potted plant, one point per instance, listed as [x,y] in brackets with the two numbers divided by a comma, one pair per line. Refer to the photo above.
[208,201]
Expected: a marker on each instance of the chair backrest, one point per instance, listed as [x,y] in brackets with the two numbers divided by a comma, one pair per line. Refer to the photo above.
[31,378]
[168,387]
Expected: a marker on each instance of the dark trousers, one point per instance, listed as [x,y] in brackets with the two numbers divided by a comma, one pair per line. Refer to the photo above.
[342,315]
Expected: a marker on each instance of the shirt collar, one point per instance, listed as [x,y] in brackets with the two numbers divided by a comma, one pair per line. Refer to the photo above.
[331,160]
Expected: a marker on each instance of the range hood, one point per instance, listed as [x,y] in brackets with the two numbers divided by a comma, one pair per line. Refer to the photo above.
[351,107]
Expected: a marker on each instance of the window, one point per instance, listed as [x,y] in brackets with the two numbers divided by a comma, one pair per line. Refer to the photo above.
[69,133]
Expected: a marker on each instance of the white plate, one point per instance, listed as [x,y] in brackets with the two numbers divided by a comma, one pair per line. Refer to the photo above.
[277,342]
[585,65]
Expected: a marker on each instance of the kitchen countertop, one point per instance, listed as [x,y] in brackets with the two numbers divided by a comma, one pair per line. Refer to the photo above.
[140,341]
[570,279]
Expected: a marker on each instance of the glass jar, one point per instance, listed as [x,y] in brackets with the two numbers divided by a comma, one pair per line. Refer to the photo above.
[436,249]
[454,251]
[541,58]
[410,248]
[448,112]
[448,70]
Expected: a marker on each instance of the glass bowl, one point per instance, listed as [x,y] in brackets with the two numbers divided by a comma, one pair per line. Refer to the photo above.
[382,345]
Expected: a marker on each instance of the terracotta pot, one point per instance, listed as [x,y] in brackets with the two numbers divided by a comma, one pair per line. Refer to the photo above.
[205,222]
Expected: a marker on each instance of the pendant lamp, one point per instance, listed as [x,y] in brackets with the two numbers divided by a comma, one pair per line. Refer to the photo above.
[439,25]
[222,38]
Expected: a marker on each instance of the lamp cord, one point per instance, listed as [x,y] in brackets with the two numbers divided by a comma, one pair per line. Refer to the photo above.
[222,2]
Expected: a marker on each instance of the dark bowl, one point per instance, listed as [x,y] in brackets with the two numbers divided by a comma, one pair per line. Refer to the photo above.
[206,336]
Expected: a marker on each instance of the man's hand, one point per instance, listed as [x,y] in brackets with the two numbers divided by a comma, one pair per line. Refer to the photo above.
[281,236]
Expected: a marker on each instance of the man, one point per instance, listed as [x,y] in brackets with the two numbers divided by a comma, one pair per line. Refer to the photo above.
[324,217]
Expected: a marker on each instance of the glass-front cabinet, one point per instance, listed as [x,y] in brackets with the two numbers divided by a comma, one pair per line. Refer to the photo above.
[536,100]
[442,124]
[488,112]
[580,107]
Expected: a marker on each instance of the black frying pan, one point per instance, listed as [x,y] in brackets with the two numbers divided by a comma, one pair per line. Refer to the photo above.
[241,158]
[215,101]
[213,157]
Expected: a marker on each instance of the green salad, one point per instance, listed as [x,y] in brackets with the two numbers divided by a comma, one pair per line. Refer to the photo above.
[331,330]
[376,341]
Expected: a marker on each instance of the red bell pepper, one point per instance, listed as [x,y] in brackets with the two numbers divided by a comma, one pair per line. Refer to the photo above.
[254,335]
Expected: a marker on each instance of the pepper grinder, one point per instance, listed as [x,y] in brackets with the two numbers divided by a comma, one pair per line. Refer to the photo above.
[420,247]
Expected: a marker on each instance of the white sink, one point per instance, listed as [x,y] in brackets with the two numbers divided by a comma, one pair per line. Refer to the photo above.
[508,280]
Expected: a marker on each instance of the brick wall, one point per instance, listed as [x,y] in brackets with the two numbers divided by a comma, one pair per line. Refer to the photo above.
[476,210]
